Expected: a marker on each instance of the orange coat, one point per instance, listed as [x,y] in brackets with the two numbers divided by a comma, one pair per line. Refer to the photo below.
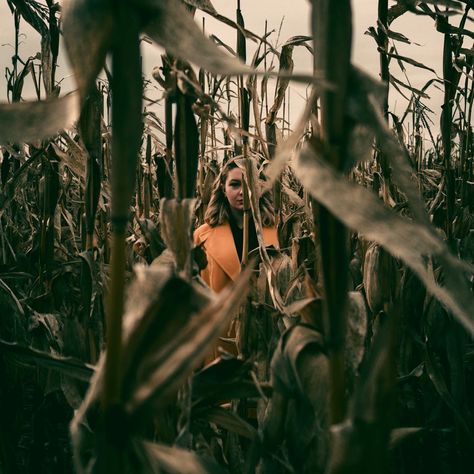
[223,265]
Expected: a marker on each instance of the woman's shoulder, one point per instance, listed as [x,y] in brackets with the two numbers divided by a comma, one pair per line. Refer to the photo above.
[202,232]
[205,231]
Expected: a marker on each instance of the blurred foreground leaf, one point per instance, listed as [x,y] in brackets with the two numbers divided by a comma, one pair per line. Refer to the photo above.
[88,27]
[410,241]
[169,328]
[30,121]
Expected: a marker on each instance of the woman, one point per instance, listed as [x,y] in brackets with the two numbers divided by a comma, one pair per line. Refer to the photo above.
[222,233]
[222,237]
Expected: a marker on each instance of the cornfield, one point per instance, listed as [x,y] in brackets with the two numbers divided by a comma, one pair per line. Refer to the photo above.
[355,337]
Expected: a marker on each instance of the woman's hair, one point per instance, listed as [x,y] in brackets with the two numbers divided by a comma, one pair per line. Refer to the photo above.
[218,210]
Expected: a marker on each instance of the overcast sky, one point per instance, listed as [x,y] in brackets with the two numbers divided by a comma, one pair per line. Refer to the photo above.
[295,16]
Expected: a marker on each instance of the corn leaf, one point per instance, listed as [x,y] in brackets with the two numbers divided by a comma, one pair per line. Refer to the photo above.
[171,26]
[25,121]
[67,365]
[176,460]
[407,60]
[410,241]
[204,5]
[87,28]
[176,359]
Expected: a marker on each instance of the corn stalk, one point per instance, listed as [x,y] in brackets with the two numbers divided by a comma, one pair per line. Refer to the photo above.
[332,30]
[385,76]
[90,124]
[244,108]
[127,129]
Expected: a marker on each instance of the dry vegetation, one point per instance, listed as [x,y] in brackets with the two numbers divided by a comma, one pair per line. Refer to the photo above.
[355,338]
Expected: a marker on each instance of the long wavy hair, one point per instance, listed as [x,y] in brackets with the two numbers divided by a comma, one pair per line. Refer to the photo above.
[218,210]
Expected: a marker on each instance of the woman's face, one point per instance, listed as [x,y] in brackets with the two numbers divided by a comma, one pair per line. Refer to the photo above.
[233,189]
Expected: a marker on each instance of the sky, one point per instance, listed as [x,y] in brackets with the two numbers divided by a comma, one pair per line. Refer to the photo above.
[293,16]
[296,21]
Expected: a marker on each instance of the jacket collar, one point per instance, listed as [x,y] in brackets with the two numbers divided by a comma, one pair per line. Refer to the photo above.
[221,247]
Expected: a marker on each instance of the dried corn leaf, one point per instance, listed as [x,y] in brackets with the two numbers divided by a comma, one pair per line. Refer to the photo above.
[33,13]
[286,65]
[399,37]
[293,343]
[88,28]
[394,80]
[180,355]
[412,242]
[25,121]
[241,43]
[219,42]
[204,5]
[455,5]
[297,410]
[17,84]
[171,26]
[174,460]
[176,221]
[169,341]
[16,302]
[299,40]
[286,150]
[365,107]
[407,60]
[74,159]
[67,365]
[226,379]
[90,282]
[158,307]
[230,421]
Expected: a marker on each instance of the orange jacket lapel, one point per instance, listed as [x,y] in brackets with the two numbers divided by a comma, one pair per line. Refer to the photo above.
[221,247]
